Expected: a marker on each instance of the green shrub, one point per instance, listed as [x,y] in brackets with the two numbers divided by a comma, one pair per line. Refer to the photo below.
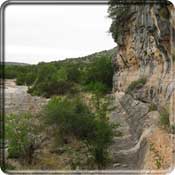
[30,78]
[100,70]
[173,57]
[173,129]
[52,81]
[61,78]
[99,143]
[20,133]
[51,88]
[164,118]
[20,80]
[158,162]
[10,72]
[24,74]
[164,13]
[136,85]
[72,117]
[152,107]
[119,13]
[73,72]
[96,87]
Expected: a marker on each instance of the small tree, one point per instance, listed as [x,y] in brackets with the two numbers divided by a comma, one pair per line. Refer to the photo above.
[21,135]
[73,117]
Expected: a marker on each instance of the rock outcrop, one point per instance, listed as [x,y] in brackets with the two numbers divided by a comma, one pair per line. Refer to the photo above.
[17,100]
[143,82]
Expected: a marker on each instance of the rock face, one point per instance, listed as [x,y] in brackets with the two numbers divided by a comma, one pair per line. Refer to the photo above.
[17,100]
[145,50]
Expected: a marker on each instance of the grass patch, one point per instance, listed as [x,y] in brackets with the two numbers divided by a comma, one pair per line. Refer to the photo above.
[97,88]
[164,118]
[136,85]
[173,57]
[152,107]
[157,158]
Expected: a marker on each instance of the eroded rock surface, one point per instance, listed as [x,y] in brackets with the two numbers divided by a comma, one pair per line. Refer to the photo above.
[145,51]
[17,100]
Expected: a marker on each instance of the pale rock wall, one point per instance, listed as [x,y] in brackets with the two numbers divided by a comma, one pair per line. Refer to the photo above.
[17,100]
[145,50]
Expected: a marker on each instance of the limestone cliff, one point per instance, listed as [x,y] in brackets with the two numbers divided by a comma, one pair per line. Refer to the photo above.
[143,84]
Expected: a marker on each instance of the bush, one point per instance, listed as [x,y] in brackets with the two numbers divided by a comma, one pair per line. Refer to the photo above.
[96,87]
[173,57]
[30,78]
[20,133]
[73,72]
[53,83]
[164,118]
[100,142]
[20,80]
[136,85]
[99,71]
[10,72]
[119,14]
[152,107]
[24,74]
[72,117]
[61,78]
[164,13]
[48,89]
[173,129]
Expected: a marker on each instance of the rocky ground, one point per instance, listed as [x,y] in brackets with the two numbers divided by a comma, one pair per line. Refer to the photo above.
[18,100]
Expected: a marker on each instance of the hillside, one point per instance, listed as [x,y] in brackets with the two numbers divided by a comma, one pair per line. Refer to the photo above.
[16,63]
[91,57]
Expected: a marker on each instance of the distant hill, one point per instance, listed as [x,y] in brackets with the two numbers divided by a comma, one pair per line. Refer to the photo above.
[16,63]
[85,59]
[90,57]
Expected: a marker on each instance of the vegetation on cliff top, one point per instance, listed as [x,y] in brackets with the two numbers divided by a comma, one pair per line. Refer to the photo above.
[118,12]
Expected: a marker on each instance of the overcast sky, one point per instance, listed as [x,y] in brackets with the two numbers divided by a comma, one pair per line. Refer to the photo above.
[45,33]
